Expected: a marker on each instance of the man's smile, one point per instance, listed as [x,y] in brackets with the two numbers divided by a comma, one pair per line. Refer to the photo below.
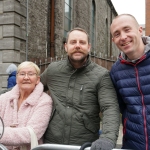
[124,44]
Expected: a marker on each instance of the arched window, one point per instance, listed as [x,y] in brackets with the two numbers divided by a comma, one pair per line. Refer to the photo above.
[67,16]
[93,27]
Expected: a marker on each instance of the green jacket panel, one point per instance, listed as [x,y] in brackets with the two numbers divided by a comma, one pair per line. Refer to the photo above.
[79,95]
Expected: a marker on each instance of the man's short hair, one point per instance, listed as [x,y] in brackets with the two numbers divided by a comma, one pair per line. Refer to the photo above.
[129,16]
[78,29]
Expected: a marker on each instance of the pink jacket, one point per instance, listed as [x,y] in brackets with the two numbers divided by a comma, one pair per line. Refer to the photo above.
[35,112]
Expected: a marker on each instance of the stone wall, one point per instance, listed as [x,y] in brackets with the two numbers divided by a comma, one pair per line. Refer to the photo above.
[36,27]
[26,34]
[39,26]
[11,36]
[59,27]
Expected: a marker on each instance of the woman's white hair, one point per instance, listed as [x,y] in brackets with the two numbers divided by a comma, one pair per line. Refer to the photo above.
[28,64]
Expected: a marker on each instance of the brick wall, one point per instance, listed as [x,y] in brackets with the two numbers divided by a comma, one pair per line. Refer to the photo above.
[147,27]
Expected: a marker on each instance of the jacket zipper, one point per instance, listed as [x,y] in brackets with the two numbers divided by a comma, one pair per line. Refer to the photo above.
[143,108]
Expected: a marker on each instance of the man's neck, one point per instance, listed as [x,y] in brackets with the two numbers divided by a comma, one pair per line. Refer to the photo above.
[136,57]
[78,64]
[137,54]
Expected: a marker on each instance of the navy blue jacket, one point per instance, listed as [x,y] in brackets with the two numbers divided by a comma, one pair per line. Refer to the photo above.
[11,81]
[132,83]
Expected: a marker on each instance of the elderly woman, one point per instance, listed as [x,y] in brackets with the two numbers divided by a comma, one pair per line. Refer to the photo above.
[26,105]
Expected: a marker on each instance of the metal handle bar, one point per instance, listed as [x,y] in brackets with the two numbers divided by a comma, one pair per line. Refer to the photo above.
[2,147]
[58,147]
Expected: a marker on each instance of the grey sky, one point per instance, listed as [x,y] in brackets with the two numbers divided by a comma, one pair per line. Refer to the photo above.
[133,7]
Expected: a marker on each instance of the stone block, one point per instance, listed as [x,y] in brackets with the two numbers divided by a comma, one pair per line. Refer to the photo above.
[23,34]
[3,67]
[1,7]
[9,18]
[8,30]
[12,56]
[16,44]
[9,5]
[1,32]
[13,5]
[22,56]
[9,56]
[9,43]
[23,10]
[12,30]
[4,81]
[1,57]
[1,83]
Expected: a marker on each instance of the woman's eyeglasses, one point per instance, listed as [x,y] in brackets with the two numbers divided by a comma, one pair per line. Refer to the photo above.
[29,74]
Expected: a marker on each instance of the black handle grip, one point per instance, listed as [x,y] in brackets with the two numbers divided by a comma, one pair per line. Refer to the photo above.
[87,144]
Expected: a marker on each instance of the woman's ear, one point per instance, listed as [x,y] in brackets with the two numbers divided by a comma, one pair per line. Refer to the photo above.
[38,80]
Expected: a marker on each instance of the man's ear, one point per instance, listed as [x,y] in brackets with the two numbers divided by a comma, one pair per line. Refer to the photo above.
[89,47]
[112,39]
[141,30]
[66,49]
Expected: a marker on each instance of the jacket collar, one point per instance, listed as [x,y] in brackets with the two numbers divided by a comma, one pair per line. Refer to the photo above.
[124,57]
[32,98]
[88,61]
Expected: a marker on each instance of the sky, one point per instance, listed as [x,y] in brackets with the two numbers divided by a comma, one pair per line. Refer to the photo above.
[133,7]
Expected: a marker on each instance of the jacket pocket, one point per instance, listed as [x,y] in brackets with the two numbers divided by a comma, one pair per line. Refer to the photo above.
[90,125]
[81,94]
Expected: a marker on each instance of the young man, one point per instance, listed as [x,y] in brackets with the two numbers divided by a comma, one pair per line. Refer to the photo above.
[81,89]
[131,77]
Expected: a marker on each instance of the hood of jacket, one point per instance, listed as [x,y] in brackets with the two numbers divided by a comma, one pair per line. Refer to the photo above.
[13,74]
[11,68]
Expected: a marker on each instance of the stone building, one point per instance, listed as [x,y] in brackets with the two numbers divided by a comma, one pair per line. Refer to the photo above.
[37,29]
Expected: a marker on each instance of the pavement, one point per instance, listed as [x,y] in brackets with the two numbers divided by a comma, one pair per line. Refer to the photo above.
[119,141]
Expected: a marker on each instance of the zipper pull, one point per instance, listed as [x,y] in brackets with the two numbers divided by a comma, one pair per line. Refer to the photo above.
[81,88]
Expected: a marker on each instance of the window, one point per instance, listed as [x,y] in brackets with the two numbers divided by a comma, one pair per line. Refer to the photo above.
[93,27]
[68,16]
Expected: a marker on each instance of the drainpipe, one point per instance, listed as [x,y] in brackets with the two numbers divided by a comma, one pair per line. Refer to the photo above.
[110,34]
[52,29]
[27,32]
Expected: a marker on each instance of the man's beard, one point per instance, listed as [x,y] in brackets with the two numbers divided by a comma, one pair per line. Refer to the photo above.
[80,61]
